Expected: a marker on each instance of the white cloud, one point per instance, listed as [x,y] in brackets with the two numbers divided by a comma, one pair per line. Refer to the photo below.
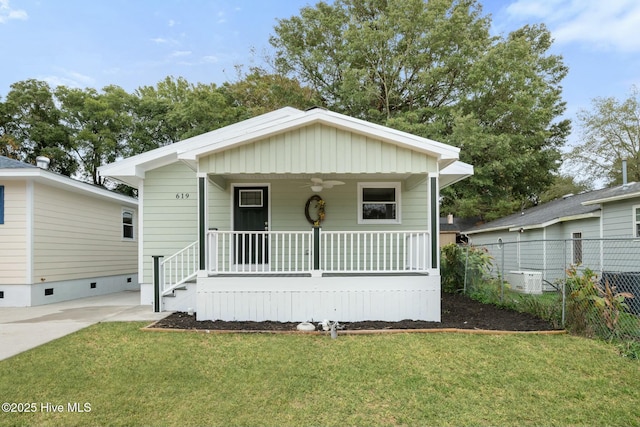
[70,79]
[172,22]
[612,24]
[180,53]
[210,59]
[7,13]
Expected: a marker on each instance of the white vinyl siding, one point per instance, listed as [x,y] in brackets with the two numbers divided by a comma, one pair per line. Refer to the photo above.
[170,213]
[13,234]
[318,149]
[77,236]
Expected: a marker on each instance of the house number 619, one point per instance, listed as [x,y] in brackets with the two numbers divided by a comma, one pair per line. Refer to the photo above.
[182,196]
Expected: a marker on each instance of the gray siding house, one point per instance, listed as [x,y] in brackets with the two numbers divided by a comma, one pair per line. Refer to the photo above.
[597,229]
[292,216]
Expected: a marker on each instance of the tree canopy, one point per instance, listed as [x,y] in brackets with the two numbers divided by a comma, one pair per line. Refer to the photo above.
[82,129]
[433,69]
[610,133]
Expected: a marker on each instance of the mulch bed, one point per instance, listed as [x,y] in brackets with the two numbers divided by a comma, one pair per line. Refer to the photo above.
[458,311]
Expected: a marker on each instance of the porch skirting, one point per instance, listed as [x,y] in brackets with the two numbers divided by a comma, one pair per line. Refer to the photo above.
[297,299]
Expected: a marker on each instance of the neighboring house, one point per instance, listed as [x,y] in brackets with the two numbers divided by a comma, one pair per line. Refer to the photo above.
[232,211]
[597,229]
[450,229]
[62,239]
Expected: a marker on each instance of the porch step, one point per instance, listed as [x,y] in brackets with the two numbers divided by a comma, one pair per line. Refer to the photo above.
[182,298]
[182,287]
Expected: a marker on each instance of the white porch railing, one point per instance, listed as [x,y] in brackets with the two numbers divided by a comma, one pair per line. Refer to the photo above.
[374,251]
[292,252]
[246,252]
[179,268]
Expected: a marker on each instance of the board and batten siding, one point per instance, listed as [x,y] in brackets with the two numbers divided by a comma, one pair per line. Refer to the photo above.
[77,236]
[170,211]
[318,149]
[13,234]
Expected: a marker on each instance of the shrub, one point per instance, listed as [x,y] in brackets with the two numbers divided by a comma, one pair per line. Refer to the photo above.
[594,308]
[463,264]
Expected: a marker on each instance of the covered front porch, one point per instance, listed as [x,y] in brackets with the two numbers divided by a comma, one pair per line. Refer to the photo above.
[315,275]
[375,272]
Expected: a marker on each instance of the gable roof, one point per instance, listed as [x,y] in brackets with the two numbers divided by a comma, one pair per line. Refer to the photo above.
[11,169]
[568,208]
[132,170]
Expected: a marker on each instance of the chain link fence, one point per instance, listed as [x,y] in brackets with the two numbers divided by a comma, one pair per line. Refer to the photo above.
[588,286]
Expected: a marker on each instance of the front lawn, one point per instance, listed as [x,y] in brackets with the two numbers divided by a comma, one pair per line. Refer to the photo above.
[131,377]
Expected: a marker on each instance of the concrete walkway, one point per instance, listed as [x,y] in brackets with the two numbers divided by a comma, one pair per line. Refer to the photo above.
[23,328]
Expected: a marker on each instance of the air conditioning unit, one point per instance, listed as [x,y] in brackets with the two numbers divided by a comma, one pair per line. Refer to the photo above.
[527,282]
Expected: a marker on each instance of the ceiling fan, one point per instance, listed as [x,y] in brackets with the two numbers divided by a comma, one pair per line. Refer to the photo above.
[318,184]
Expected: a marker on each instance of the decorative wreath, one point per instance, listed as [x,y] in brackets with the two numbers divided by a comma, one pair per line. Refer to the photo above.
[319,205]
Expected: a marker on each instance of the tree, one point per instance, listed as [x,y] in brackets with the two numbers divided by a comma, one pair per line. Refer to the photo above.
[431,68]
[610,133]
[9,147]
[35,126]
[99,125]
[175,109]
[562,186]
[258,92]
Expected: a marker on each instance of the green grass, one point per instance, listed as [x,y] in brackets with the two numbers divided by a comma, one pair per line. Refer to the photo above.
[132,377]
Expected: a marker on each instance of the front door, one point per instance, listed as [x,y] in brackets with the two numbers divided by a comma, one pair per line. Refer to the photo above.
[251,213]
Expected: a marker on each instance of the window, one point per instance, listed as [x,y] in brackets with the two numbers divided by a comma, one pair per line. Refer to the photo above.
[250,198]
[636,221]
[127,224]
[577,248]
[1,204]
[379,203]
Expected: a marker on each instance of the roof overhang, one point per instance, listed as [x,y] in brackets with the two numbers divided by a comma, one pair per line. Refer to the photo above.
[455,172]
[556,221]
[612,199]
[524,227]
[489,230]
[65,183]
[131,171]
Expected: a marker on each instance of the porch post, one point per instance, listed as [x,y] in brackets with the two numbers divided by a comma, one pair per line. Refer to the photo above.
[435,221]
[156,283]
[202,222]
[316,248]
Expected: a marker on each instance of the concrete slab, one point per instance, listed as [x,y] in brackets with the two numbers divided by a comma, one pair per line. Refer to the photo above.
[23,328]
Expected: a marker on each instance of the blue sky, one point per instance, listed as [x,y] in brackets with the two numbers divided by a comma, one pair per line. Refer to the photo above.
[94,43]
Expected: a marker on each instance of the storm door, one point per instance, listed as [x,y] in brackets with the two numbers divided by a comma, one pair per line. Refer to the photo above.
[251,221]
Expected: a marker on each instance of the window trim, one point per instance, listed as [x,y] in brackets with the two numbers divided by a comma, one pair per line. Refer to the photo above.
[132,225]
[251,190]
[397,186]
[635,231]
[1,204]
[576,239]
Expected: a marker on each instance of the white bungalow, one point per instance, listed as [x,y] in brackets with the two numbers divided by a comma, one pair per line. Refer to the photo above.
[62,239]
[232,213]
